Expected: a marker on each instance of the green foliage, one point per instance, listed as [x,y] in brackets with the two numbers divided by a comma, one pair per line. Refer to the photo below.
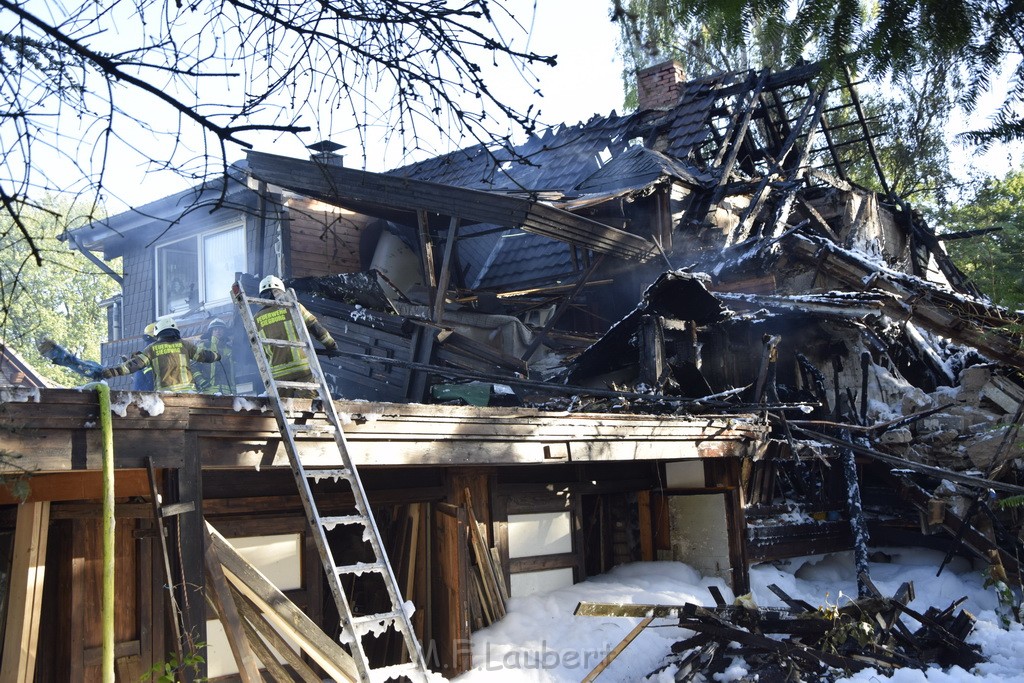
[167,671]
[49,291]
[908,112]
[656,30]
[883,38]
[994,261]
[1011,502]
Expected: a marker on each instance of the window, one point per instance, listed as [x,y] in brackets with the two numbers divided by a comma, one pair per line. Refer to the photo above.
[198,271]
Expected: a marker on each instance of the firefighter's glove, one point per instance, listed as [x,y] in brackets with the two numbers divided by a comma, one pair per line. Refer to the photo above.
[331,352]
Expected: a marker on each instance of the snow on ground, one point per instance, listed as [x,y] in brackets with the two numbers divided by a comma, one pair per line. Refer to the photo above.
[539,639]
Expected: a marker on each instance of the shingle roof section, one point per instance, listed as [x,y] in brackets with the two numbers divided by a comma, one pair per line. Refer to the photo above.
[569,161]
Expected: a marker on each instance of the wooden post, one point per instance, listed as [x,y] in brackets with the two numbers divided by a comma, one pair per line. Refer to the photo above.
[446,269]
[25,601]
[427,254]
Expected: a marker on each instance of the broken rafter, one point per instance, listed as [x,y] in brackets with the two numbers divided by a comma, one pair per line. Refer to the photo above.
[552,289]
[850,87]
[900,463]
[963,319]
[966,234]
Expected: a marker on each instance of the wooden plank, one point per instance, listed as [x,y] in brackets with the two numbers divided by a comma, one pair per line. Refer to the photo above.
[128,668]
[426,253]
[84,485]
[643,504]
[282,612]
[414,538]
[540,563]
[617,650]
[94,655]
[451,590]
[59,511]
[496,567]
[254,621]
[25,597]
[489,581]
[218,592]
[347,186]
[600,609]
[446,268]
[264,654]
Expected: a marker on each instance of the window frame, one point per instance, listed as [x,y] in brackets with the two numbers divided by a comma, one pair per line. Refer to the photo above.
[198,239]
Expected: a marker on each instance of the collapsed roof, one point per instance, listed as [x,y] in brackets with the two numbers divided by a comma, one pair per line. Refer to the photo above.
[719,253]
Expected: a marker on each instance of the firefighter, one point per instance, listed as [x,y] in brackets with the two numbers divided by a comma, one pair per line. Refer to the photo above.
[219,377]
[143,380]
[274,322]
[168,355]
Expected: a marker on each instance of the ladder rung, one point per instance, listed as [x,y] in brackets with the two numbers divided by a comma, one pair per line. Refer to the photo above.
[362,568]
[282,342]
[376,618]
[328,473]
[297,385]
[331,522]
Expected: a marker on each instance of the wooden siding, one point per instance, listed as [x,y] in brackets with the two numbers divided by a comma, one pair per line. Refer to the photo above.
[322,240]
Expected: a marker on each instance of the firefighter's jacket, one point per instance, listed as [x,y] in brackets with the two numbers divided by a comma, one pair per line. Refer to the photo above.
[219,377]
[289,363]
[169,359]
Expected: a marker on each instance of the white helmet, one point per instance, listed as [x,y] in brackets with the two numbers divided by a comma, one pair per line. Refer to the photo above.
[165,323]
[271,282]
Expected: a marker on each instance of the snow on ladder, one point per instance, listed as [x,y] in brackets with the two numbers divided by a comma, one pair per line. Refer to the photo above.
[359,565]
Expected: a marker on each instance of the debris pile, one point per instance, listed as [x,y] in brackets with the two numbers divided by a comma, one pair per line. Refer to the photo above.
[807,643]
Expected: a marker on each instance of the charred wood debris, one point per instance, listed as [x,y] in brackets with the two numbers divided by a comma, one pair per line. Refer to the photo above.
[780,292]
[802,642]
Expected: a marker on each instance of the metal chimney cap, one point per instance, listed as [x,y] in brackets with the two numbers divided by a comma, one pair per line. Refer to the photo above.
[325,147]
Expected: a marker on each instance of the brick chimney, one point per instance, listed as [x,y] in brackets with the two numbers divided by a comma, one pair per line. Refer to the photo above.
[659,86]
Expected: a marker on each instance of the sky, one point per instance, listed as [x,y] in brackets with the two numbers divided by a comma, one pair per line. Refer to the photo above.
[540,641]
[586,81]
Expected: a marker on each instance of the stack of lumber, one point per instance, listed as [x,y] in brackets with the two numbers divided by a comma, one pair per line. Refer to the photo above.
[804,643]
[489,594]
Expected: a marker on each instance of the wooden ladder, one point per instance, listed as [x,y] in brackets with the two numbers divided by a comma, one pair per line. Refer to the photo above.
[373,624]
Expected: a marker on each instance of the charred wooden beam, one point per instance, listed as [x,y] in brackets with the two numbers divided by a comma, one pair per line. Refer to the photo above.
[964,319]
[446,269]
[901,463]
[855,99]
[966,234]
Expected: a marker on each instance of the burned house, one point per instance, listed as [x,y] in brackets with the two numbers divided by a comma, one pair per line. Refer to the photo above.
[682,333]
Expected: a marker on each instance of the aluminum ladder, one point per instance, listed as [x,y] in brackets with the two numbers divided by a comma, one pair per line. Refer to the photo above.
[356,626]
